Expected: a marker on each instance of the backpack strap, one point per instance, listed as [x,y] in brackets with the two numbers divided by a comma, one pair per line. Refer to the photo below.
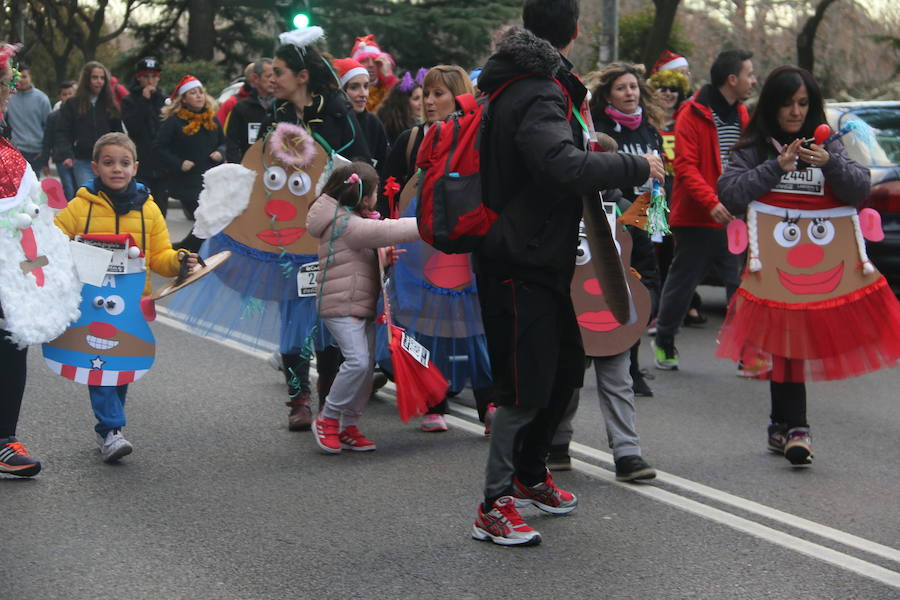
[410,144]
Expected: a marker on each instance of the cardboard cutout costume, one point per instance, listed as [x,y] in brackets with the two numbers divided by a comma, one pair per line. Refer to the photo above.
[601,333]
[257,210]
[111,343]
[39,288]
[434,297]
[811,303]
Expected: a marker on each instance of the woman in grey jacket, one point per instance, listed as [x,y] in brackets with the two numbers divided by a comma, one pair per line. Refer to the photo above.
[803,311]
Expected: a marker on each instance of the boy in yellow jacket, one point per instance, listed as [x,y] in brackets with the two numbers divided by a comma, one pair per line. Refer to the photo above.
[113,202]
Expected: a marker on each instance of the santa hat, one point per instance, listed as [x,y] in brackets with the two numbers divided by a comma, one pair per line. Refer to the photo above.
[6,53]
[365,47]
[15,179]
[187,83]
[347,69]
[668,60]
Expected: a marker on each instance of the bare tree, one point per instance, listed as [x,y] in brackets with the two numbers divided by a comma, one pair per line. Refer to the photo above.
[201,43]
[806,39]
[662,29]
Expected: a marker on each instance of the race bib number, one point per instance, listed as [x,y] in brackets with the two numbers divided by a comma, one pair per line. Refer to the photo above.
[810,182]
[253,132]
[415,349]
[308,280]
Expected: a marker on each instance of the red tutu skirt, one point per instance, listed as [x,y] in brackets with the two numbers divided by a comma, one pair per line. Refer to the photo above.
[815,341]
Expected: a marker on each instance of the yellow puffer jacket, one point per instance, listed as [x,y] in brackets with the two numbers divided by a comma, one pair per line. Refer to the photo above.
[161,258]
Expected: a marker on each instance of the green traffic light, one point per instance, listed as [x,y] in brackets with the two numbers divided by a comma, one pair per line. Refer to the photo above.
[300,20]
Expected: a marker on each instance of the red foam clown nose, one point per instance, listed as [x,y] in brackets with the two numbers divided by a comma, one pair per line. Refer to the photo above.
[822,133]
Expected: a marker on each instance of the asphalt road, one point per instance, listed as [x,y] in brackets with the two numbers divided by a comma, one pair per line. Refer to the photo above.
[221,501]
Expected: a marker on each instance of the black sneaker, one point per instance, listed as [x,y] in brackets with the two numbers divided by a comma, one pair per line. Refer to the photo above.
[633,468]
[15,460]
[777,437]
[639,385]
[798,448]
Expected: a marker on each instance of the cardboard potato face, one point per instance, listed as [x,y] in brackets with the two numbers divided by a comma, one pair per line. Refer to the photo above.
[111,343]
[38,284]
[601,333]
[806,256]
[275,217]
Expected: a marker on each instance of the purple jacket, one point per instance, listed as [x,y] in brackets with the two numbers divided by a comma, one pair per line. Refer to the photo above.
[747,177]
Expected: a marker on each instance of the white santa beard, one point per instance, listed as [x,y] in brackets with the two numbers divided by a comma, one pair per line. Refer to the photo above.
[33,314]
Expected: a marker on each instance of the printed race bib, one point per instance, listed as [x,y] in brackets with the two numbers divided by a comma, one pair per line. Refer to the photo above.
[308,280]
[415,349]
[252,132]
[810,182]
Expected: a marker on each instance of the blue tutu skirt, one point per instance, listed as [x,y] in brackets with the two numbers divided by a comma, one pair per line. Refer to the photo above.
[434,297]
[252,299]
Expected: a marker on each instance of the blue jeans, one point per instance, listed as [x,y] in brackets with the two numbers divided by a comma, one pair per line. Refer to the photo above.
[83,172]
[108,402]
[67,178]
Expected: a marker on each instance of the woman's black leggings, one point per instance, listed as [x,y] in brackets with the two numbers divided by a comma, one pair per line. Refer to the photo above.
[12,384]
[788,403]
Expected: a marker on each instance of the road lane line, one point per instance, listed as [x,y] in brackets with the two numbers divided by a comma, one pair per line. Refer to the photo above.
[786,540]
[764,532]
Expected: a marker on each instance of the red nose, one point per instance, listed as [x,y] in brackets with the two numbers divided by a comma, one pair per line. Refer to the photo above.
[805,255]
[282,210]
[102,330]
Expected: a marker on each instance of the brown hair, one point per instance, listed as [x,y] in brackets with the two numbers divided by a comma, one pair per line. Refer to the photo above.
[608,75]
[453,77]
[114,139]
[347,194]
[105,98]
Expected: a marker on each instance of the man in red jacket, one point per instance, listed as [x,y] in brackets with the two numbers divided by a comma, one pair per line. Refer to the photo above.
[706,129]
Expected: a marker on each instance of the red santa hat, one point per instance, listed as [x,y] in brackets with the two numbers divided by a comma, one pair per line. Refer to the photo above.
[187,83]
[15,182]
[347,69]
[7,51]
[668,60]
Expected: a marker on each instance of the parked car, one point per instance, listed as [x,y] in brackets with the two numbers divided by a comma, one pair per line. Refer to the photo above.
[883,159]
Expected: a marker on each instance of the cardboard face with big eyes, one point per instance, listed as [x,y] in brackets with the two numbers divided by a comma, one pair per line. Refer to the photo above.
[111,343]
[289,164]
[601,333]
[806,256]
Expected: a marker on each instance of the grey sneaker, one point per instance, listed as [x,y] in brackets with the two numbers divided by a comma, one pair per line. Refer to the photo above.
[115,446]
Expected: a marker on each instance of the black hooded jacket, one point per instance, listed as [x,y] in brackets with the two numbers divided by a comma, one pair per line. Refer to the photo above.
[142,118]
[534,167]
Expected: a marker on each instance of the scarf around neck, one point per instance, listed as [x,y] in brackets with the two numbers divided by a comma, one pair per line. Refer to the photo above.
[127,199]
[632,121]
[195,120]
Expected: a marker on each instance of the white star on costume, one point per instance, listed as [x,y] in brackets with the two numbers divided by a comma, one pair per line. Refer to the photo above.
[97,363]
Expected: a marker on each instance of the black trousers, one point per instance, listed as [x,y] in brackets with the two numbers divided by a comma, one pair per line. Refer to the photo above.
[537,361]
[12,384]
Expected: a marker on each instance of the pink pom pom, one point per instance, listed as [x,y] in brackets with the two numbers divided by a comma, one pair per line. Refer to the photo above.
[292,145]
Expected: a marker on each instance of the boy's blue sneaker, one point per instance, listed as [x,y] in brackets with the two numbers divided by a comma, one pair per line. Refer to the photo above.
[665,356]
[15,460]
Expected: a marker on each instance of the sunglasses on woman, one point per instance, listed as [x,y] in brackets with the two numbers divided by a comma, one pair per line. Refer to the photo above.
[668,88]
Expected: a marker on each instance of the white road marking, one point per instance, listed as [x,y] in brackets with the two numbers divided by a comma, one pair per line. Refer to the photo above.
[791,542]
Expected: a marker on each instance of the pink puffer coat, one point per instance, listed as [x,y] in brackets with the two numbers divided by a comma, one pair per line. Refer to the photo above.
[349,284]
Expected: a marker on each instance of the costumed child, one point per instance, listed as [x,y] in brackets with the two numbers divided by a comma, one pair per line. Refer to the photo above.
[811,306]
[39,290]
[350,233]
[114,203]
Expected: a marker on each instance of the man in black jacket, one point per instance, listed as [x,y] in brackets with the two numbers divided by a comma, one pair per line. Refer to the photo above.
[535,171]
[141,112]
[243,123]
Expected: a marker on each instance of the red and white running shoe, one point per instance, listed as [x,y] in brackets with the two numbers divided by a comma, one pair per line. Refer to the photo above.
[504,525]
[353,439]
[326,434]
[545,495]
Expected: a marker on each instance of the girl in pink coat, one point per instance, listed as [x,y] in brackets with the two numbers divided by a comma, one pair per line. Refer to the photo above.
[350,234]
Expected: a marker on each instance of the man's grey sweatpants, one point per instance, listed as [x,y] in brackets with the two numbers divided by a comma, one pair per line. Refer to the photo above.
[616,402]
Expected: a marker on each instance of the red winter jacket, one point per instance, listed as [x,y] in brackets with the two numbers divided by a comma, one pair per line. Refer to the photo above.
[698,165]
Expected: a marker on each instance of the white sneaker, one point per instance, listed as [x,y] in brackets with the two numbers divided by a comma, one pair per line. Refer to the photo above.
[115,446]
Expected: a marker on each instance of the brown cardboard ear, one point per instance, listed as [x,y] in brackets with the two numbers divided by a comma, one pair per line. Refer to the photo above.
[605,260]
[409,190]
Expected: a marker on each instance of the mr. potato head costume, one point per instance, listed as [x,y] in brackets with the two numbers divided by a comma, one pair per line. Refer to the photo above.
[810,304]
